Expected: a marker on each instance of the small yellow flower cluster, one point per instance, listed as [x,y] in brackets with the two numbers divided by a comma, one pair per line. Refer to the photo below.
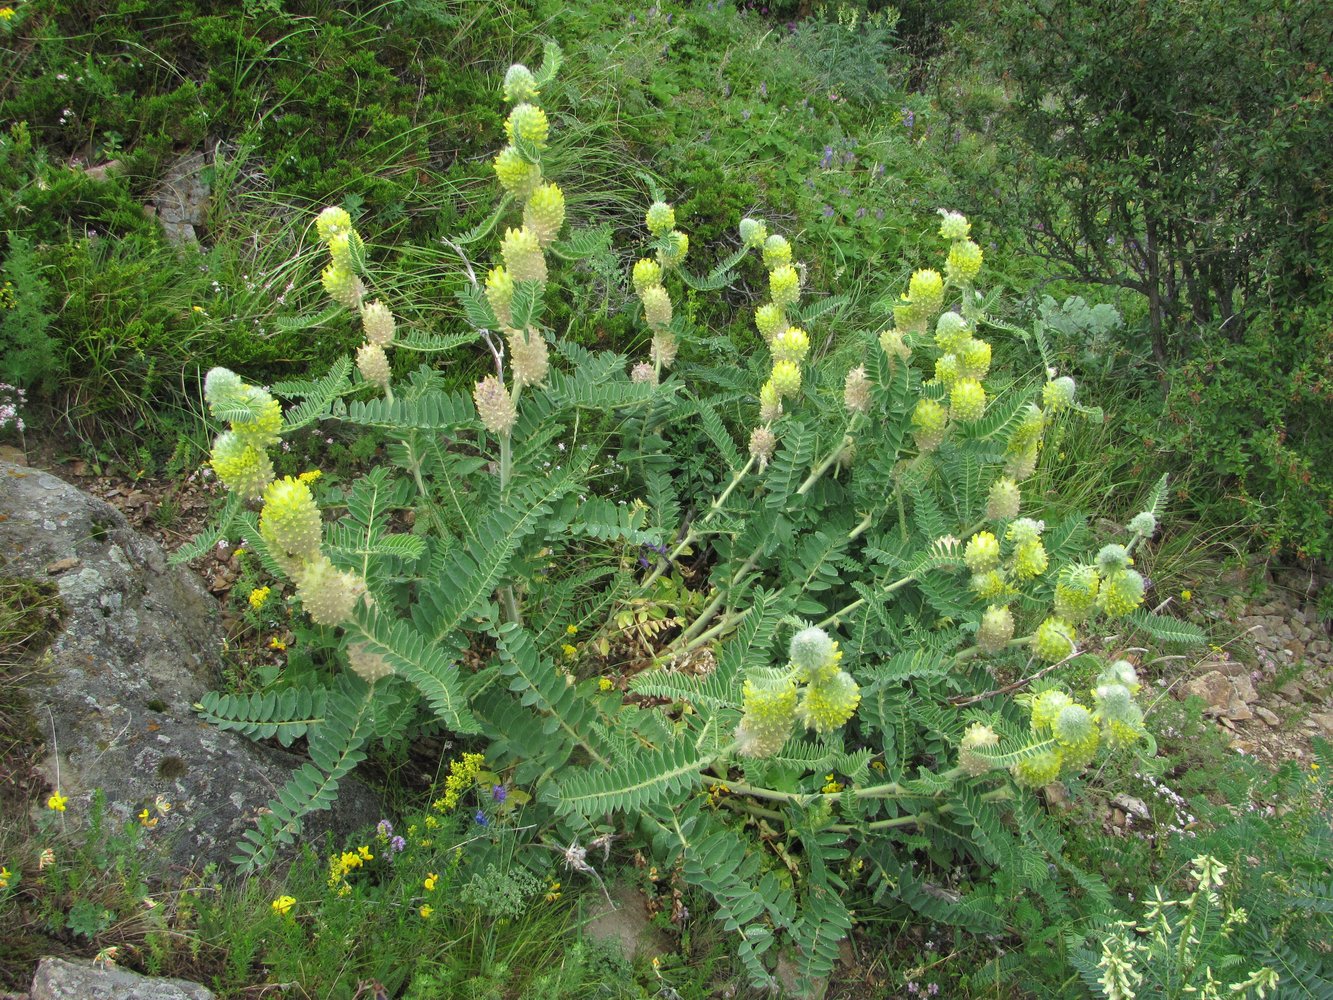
[605,684]
[425,911]
[432,880]
[57,802]
[278,644]
[342,865]
[6,14]
[310,476]
[553,891]
[283,905]
[831,787]
[462,774]
[5,876]
[259,597]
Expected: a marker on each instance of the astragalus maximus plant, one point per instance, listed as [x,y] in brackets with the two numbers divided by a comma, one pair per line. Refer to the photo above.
[856,690]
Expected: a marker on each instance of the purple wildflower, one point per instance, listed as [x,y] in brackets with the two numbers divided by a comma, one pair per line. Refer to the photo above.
[745,115]
[908,116]
[397,844]
[861,212]
[827,161]
[384,828]
[763,89]
[828,211]
[499,793]
[482,819]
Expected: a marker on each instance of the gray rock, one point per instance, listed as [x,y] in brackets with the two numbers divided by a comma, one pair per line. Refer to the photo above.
[58,979]
[1270,718]
[1323,721]
[137,648]
[624,920]
[181,203]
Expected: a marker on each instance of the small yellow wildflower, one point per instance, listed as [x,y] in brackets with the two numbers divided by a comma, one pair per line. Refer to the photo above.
[56,803]
[162,805]
[553,892]
[350,861]
[425,842]
[310,476]
[569,651]
[47,858]
[1186,595]
[431,881]
[276,643]
[605,684]
[259,597]
[571,630]
[147,819]
[430,823]
[831,787]
[200,309]
[365,853]
[426,910]
[5,876]
[283,905]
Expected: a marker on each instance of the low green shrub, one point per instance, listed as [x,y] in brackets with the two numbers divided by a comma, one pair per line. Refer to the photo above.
[632,614]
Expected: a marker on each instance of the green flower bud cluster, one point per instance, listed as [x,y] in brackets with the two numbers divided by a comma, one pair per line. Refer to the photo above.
[240,455]
[1024,446]
[813,690]
[290,526]
[346,255]
[964,261]
[1069,733]
[1122,586]
[648,276]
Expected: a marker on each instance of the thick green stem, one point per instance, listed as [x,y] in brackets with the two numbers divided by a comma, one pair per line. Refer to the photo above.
[841,613]
[691,536]
[844,441]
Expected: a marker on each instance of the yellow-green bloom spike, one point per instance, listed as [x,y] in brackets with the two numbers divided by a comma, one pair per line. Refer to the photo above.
[656,306]
[770,402]
[974,358]
[1054,640]
[792,344]
[1030,560]
[290,523]
[1076,592]
[784,285]
[951,331]
[1058,394]
[1002,500]
[520,85]
[762,443]
[753,232]
[982,553]
[544,213]
[333,221]
[954,226]
[967,400]
[378,323]
[926,291]
[647,273]
[893,345]
[995,630]
[516,174]
[828,704]
[929,420]
[373,364]
[964,261]
[664,347]
[528,123]
[329,595]
[777,252]
[343,286]
[977,737]
[528,356]
[495,407]
[673,254]
[369,666]
[1039,770]
[856,391]
[243,468]
[770,321]
[1121,593]
[660,218]
[523,255]
[500,294]
[786,378]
